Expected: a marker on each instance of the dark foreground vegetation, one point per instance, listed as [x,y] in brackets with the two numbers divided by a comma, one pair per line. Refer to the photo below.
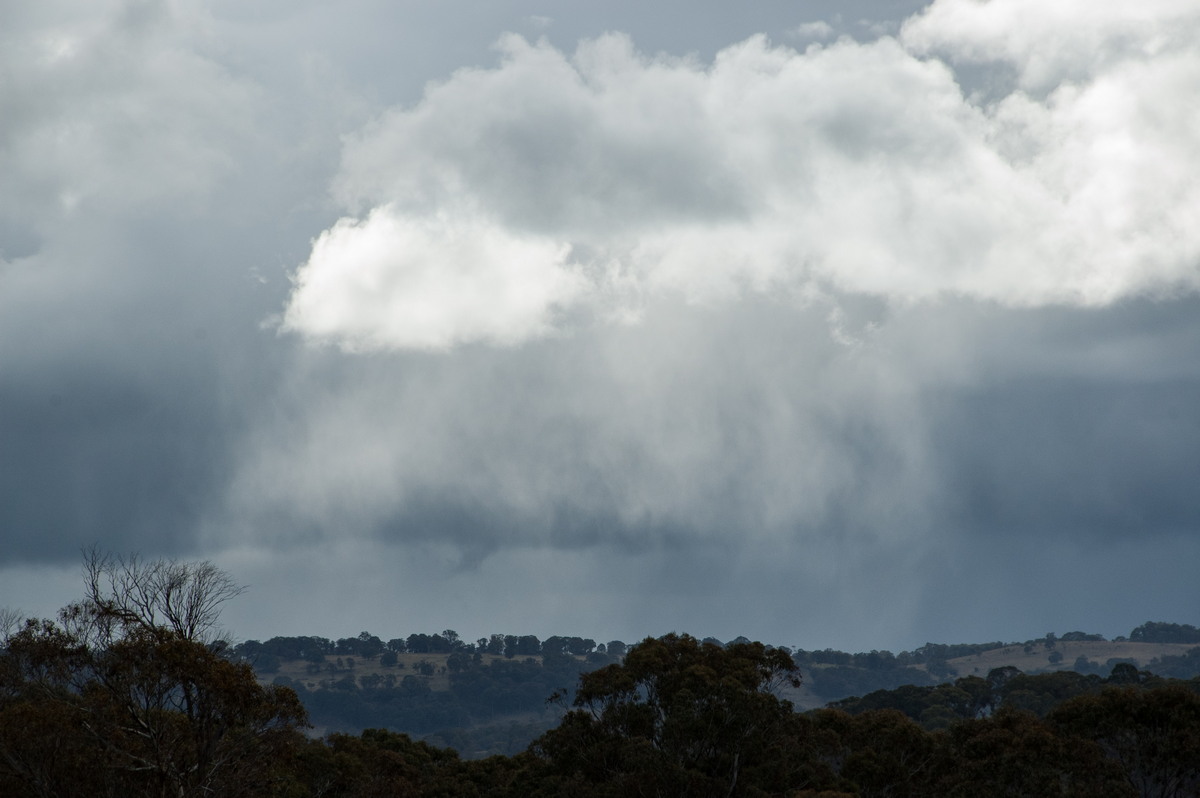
[129,693]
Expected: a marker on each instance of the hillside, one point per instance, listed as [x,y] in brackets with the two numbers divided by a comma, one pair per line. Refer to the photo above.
[490,697]
[366,670]
[1037,657]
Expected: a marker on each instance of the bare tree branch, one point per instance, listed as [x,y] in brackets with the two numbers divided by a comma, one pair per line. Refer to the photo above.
[124,594]
[10,621]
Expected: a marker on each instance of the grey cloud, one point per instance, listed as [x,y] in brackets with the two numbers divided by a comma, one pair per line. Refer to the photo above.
[1045,47]
[744,448]
[1074,458]
[546,153]
[89,459]
[815,467]
[125,378]
[744,417]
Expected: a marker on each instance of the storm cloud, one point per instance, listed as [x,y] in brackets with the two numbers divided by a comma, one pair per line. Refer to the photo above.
[784,326]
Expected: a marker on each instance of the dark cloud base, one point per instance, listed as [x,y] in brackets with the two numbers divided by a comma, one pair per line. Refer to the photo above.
[1075,458]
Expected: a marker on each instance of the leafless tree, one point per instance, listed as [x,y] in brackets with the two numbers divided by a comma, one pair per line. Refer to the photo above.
[10,621]
[133,695]
[126,594]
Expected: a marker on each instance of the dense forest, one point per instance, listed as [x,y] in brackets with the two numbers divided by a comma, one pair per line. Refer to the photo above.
[131,692]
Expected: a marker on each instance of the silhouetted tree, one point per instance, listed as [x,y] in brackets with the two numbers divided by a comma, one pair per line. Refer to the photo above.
[132,694]
[676,717]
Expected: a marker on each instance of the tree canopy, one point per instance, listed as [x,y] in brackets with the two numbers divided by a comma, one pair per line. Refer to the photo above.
[678,716]
[129,694]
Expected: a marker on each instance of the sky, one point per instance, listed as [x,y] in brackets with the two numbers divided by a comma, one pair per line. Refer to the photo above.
[831,324]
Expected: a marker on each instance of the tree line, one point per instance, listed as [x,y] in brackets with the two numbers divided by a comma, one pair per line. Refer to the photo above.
[132,692]
[266,657]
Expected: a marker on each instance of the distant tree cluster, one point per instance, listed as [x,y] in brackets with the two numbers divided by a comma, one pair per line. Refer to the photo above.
[1182,666]
[1081,637]
[1157,632]
[367,646]
[483,690]
[836,674]
[971,697]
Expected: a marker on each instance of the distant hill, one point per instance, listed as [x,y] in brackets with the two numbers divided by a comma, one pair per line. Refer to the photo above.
[490,697]
[1101,655]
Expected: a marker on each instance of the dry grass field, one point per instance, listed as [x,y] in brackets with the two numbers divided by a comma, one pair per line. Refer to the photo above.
[1038,658]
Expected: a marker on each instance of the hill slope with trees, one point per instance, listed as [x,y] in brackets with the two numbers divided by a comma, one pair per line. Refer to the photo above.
[489,696]
[131,693]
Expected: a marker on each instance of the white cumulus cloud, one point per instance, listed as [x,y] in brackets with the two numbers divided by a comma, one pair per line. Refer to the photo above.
[1052,43]
[865,168]
[429,283]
